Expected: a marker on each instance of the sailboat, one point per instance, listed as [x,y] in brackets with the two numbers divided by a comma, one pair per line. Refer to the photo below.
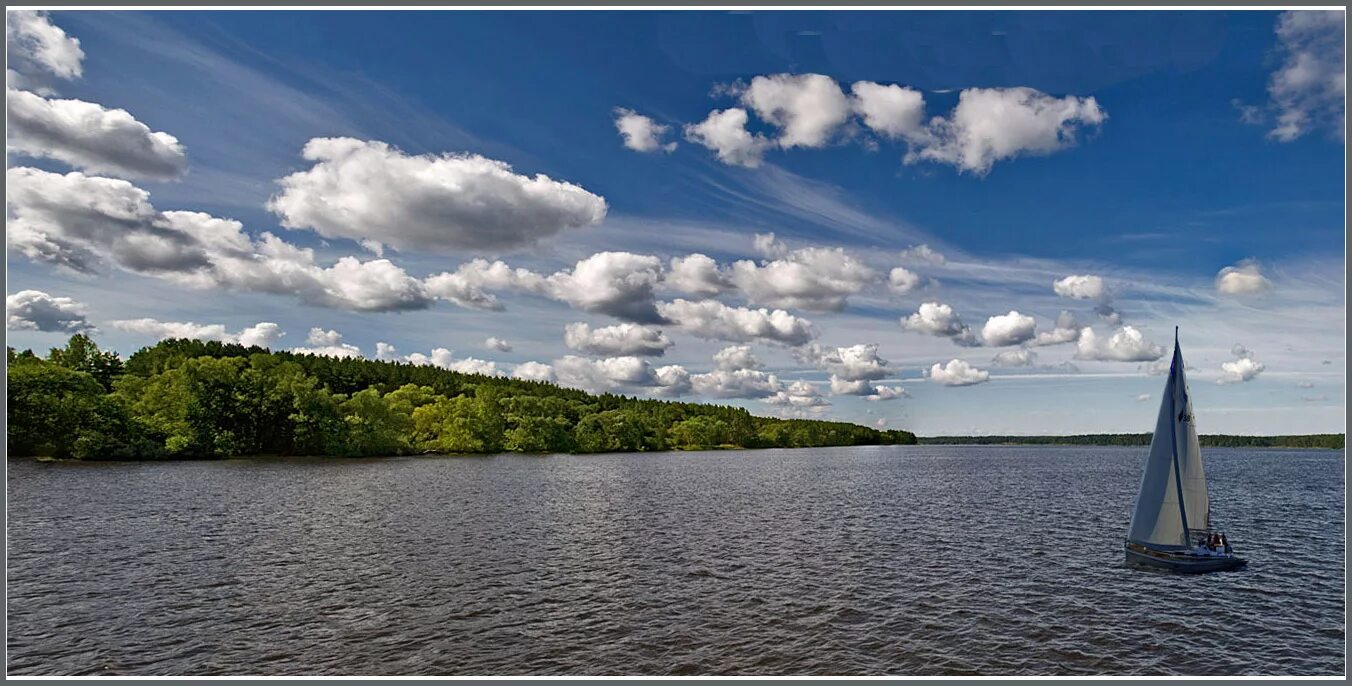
[1171,525]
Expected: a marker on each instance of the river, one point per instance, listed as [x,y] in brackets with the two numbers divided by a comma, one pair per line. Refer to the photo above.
[907,560]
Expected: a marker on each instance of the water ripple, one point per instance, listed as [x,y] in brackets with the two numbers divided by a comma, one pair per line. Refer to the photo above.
[928,560]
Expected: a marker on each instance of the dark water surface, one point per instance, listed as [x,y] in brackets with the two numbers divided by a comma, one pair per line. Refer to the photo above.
[896,560]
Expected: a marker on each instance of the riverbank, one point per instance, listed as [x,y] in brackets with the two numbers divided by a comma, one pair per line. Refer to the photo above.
[1323,441]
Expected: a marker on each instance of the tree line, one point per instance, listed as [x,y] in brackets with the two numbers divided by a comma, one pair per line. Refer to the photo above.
[185,398]
[1332,441]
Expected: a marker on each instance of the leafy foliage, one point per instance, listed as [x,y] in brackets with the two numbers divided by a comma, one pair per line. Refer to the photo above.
[202,399]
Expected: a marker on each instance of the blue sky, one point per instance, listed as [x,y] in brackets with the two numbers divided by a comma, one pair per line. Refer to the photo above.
[1162,168]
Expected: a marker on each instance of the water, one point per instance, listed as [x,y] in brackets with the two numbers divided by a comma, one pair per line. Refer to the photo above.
[899,560]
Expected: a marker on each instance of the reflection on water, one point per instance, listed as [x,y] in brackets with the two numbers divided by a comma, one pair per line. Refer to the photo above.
[889,560]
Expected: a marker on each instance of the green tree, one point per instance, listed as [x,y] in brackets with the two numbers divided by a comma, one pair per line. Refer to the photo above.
[48,406]
[81,354]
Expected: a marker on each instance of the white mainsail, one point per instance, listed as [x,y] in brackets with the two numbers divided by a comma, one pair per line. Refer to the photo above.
[1175,464]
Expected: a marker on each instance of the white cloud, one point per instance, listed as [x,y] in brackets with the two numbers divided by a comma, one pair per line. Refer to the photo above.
[1008,329]
[604,374]
[736,383]
[641,133]
[724,132]
[957,373]
[368,190]
[923,253]
[1243,278]
[619,284]
[385,351]
[621,339]
[466,285]
[1309,89]
[1142,397]
[841,386]
[1067,330]
[1021,357]
[807,108]
[817,279]
[1243,368]
[851,363]
[440,357]
[79,222]
[766,245]
[884,393]
[90,137]
[1127,344]
[713,320]
[902,280]
[33,43]
[671,381]
[736,357]
[697,275]
[892,111]
[1081,287]
[262,334]
[937,319]
[534,371]
[327,343]
[473,365]
[799,394]
[34,310]
[993,124]
[498,344]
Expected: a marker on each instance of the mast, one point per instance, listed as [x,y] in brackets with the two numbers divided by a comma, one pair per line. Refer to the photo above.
[1173,436]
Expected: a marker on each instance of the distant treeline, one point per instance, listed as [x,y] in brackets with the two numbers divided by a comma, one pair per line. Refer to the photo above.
[1334,441]
[201,399]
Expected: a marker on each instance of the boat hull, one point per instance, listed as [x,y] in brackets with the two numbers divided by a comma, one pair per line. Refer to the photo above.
[1181,562]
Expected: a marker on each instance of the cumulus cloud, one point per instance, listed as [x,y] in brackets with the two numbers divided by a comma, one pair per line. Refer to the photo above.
[766,245]
[328,344]
[91,137]
[891,111]
[736,383]
[618,340]
[1008,329]
[1243,368]
[736,357]
[1127,344]
[33,310]
[1308,90]
[641,133]
[817,279]
[1243,278]
[1081,287]
[619,284]
[498,344]
[262,334]
[1022,357]
[710,319]
[534,371]
[697,275]
[368,190]
[850,363]
[797,395]
[937,319]
[467,285]
[806,108]
[993,124]
[884,393]
[957,373]
[902,280]
[33,43]
[671,381]
[923,254]
[604,374]
[1067,331]
[725,133]
[81,222]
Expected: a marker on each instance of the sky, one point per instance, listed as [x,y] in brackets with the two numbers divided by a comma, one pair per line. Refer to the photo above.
[959,222]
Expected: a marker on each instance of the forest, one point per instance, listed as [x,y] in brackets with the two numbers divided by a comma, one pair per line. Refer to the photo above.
[184,398]
[1331,441]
